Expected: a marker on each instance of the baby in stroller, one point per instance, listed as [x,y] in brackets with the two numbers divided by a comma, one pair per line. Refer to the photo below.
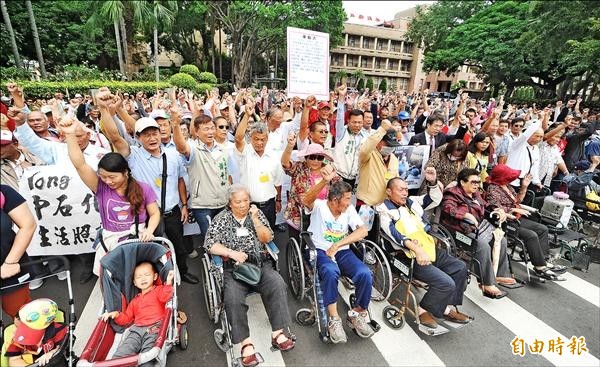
[146,311]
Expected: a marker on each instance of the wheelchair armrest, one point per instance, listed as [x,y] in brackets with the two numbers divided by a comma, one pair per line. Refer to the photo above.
[272,247]
[308,240]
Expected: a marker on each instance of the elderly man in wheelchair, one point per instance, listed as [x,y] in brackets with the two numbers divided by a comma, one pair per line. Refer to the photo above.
[240,235]
[330,222]
[403,222]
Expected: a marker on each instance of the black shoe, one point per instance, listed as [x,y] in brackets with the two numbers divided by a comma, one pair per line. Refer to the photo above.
[190,278]
[85,277]
[281,227]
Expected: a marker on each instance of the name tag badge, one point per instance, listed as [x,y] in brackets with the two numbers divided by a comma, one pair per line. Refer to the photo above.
[388,176]
[158,182]
[242,232]
[264,178]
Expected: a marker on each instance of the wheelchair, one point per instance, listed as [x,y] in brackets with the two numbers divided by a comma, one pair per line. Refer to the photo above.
[304,280]
[516,245]
[402,278]
[212,282]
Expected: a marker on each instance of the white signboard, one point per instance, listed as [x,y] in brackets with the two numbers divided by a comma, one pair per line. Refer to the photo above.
[308,63]
[65,209]
[412,161]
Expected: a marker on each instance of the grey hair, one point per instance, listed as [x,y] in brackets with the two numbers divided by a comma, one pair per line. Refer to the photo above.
[338,189]
[258,128]
[234,189]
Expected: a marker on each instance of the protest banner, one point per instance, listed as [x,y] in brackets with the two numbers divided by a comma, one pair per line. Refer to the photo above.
[308,63]
[65,209]
[412,161]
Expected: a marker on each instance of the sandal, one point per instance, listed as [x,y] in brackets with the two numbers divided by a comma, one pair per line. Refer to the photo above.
[548,274]
[557,269]
[493,295]
[288,344]
[505,281]
[251,360]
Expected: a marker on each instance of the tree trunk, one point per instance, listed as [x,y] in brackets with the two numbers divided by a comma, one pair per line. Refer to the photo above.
[13,41]
[562,91]
[119,51]
[125,47]
[36,39]
[156,53]
[220,57]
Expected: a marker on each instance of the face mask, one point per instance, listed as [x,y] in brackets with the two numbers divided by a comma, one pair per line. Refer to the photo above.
[385,151]
[453,158]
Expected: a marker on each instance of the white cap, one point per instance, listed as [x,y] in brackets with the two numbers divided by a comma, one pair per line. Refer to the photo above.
[144,123]
[46,109]
[159,114]
[223,105]
[6,137]
[78,95]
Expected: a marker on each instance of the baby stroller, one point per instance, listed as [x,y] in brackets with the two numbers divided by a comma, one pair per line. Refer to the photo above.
[64,356]
[116,281]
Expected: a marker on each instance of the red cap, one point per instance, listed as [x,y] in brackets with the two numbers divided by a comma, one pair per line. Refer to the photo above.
[11,123]
[323,105]
[25,335]
[503,175]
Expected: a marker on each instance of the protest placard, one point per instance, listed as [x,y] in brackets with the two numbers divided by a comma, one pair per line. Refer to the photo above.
[412,161]
[65,209]
[308,63]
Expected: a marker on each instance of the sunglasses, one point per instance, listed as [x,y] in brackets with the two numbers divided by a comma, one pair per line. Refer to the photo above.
[223,127]
[475,182]
[518,126]
[315,157]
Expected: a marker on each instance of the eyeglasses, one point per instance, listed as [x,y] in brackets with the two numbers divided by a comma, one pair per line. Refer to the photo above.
[223,127]
[315,157]
[518,126]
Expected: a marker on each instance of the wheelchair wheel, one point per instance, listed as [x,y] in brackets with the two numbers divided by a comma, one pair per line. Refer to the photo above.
[221,340]
[210,291]
[295,266]
[305,317]
[390,316]
[375,259]
[183,337]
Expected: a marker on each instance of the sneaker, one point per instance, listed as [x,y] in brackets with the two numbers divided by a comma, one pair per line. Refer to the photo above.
[358,322]
[193,254]
[35,284]
[62,275]
[336,331]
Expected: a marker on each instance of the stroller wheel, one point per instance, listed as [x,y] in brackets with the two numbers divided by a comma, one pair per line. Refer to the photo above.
[305,317]
[221,340]
[390,316]
[183,337]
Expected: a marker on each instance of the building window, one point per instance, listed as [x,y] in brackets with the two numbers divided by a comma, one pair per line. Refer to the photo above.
[379,63]
[408,48]
[396,45]
[352,60]
[393,65]
[472,85]
[366,63]
[405,65]
[382,45]
[354,41]
[402,83]
[367,42]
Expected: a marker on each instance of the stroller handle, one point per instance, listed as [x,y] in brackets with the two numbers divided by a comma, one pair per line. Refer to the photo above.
[63,259]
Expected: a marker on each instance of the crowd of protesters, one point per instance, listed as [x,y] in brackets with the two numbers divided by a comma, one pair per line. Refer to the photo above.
[175,155]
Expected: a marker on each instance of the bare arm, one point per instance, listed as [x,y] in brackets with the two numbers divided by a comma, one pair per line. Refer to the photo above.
[110,128]
[69,127]
[304,128]
[23,219]
[240,133]
[328,172]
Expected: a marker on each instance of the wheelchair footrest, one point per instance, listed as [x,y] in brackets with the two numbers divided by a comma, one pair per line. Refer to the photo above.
[518,284]
[440,330]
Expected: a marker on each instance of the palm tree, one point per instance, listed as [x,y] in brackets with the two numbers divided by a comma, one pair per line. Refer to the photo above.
[109,11]
[150,15]
[11,33]
[36,38]
[358,74]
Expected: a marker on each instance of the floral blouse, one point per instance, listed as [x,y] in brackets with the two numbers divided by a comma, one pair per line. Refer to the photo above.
[238,236]
[496,194]
[447,171]
[300,184]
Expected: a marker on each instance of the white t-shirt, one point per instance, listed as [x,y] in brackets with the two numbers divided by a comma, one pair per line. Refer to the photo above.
[326,230]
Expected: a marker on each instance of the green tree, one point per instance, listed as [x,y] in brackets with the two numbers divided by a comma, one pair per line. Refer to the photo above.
[253,27]
[340,75]
[36,38]
[361,84]
[110,11]
[383,85]
[13,40]
[369,84]
[358,75]
[510,42]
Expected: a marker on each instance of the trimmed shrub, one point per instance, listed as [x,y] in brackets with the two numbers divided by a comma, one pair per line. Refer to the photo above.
[46,89]
[191,70]
[207,77]
[14,73]
[202,88]
[369,84]
[183,80]
[361,84]
[383,85]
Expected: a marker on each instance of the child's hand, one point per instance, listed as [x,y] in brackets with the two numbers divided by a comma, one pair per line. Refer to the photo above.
[170,277]
[45,358]
[109,315]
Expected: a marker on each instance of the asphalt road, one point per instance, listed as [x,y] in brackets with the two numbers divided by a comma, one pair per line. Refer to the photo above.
[537,311]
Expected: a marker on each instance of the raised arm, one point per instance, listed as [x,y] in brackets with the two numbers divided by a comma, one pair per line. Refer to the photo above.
[240,132]
[16,93]
[286,156]
[424,101]
[340,128]
[308,105]
[104,99]
[69,126]
[181,144]
[371,142]
[328,172]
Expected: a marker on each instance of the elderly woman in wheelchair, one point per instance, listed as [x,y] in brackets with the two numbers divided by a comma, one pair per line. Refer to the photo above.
[330,222]
[402,221]
[533,235]
[239,235]
[464,213]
